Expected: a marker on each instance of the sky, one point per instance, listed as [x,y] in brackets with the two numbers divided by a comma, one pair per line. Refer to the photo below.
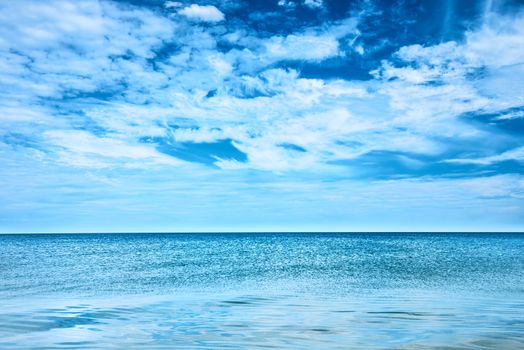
[273,115]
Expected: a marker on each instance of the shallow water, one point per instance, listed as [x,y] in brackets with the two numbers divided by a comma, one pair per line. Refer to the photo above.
[329,291]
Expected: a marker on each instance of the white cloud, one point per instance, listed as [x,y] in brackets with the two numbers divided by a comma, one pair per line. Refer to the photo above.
[495,186]
[451,60]
[83,50]
[313,3]
[286,3]
[21,114]
[511,115]
[430,88]
[221,66]
[205,13]
[172,4]
[302,47]
[516,154]
[83,149]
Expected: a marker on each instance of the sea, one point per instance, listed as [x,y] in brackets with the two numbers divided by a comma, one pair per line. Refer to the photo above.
[262,291]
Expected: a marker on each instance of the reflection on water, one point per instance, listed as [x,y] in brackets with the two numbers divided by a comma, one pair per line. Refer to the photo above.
[418,322]
[264,291]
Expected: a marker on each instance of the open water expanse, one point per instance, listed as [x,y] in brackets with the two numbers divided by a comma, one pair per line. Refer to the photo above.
[248,291]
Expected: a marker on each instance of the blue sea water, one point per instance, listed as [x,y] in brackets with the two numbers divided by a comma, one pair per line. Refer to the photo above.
[249,291]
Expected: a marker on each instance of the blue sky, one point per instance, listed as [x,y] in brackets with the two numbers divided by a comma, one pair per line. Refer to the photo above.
[267,115]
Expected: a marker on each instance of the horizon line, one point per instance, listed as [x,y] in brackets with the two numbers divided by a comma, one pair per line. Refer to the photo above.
[249,232]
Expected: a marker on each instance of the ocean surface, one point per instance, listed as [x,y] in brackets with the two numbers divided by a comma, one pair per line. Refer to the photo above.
[250,291]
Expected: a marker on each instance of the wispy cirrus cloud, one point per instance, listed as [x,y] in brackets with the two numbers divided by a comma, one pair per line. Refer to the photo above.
[516,154]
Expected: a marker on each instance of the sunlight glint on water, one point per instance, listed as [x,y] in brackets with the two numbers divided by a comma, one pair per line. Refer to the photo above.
[359,291]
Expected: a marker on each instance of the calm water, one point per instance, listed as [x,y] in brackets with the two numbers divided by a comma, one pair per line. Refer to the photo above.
[245,291]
